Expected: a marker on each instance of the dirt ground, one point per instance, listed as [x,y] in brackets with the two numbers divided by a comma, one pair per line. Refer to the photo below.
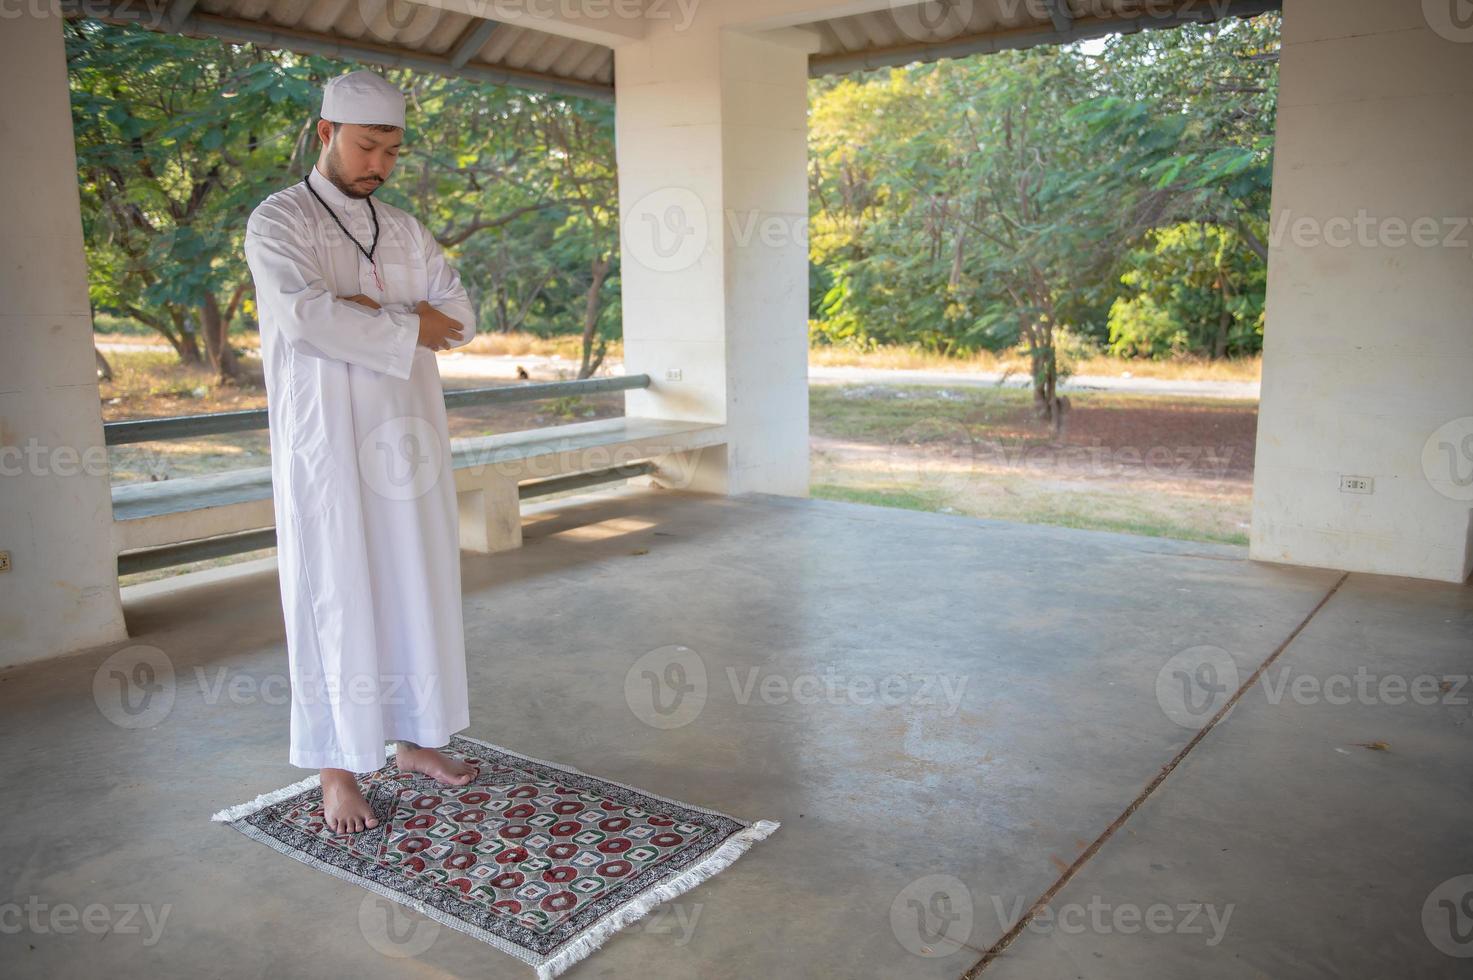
[1144,465]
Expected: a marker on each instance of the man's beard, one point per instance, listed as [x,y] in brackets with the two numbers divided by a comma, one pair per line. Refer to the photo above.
[335,174]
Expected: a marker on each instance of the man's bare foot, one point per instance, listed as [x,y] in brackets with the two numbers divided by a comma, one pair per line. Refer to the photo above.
[344,808]
[428,762]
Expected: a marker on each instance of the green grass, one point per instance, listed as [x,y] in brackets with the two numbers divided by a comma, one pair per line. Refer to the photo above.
[113,326]
[1078,517]
[1147,526]
[1084,361]
[905,499]
[834,413]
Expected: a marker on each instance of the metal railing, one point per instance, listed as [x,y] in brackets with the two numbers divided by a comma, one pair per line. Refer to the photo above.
[215,423]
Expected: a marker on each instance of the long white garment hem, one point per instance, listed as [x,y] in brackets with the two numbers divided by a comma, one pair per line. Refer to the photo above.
[368,762]
[333,760]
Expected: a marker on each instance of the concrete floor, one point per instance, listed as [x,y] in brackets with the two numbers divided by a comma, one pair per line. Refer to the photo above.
[1022,718]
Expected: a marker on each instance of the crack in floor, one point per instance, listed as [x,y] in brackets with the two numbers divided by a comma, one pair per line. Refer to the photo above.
[1009,937]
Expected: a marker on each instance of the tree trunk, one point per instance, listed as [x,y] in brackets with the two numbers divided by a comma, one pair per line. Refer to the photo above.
[957,255]
[1044,357]
[187,345]
[234,306]
[217,340]
[590,318]
[477,298]
[1053,411]
[1224,316]
[169,334]
[1038,366]
[1254,243]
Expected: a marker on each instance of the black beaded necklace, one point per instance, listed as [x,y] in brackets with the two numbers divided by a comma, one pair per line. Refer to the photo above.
[367,252]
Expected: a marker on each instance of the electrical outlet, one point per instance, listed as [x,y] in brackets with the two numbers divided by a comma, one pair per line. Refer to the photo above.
[1357,484]
[4,561]
[672,374]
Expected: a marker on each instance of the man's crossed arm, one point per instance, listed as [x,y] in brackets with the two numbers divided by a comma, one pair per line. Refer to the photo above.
[292,291]
[436,330]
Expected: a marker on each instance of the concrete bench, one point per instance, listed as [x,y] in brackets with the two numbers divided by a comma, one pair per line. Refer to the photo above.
[492,474]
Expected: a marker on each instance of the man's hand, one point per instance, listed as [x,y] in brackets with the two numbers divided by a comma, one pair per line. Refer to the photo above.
[436,330]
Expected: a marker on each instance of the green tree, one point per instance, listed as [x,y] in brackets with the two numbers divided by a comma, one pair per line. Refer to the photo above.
[522,184]
[974,210]
[1197,108]
[173,149]
[1004,198]
[178,139]
[1193,288]
[1194,111]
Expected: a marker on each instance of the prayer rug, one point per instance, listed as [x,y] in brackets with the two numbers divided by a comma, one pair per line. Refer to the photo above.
[538,860]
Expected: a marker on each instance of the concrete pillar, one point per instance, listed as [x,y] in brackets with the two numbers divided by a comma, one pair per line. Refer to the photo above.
[1365,437]
[713,193]
[61,592]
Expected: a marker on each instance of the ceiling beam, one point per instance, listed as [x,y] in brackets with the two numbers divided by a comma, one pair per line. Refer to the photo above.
[611,23]
[310,42]
[764,15]
[1058,12]
[1081,29]
[471,42]
[179,10]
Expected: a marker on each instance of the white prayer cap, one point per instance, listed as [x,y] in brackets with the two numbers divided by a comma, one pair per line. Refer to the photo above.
[362,97]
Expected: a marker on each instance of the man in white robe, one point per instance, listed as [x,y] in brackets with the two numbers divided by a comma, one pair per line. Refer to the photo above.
[367,528]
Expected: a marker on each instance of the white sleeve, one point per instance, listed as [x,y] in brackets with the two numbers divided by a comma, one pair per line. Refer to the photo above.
[442,283]
[292,293]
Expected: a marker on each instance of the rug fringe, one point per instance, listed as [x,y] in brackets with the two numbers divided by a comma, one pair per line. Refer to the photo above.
[714,863]
[242,810]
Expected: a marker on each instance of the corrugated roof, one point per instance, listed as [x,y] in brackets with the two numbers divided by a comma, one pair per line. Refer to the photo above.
[392,33]
[900,34]
[399,33]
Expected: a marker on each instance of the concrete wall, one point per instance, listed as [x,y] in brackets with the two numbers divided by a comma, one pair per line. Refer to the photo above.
[1368,367]
[55,505]
[712,155]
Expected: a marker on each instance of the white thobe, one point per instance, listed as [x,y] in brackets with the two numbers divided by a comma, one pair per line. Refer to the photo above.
[364,493]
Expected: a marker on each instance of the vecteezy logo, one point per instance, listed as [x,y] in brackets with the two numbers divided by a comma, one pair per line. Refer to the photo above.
[134,688]
[1447,916]
[666,230]
[393,932]
[1193,686]
[1447,459]
[387,21]
[932,916]
[401,458]
[666,688]
[1451,19]
[932,20]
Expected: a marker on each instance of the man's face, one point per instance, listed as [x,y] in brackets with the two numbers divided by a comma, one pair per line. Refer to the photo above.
[360,158]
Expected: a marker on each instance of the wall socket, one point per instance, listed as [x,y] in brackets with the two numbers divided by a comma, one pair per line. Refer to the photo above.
[4,561]
[672,374]
[1357,484]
